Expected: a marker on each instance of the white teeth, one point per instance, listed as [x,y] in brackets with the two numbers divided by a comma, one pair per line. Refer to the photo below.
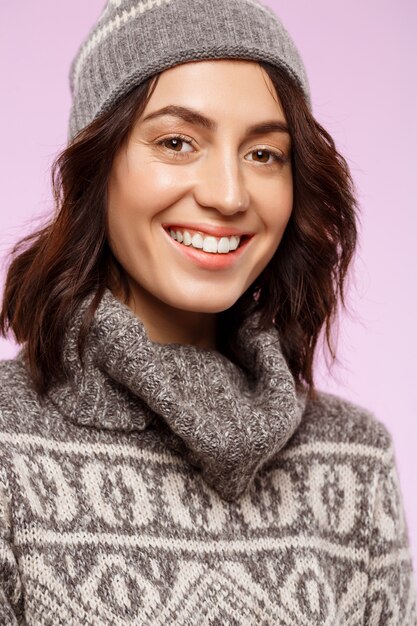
[197,241]
[234,242]
[224,245]
[208,243]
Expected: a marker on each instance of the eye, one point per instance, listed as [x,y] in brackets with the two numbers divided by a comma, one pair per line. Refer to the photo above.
[174,143]
[261,153]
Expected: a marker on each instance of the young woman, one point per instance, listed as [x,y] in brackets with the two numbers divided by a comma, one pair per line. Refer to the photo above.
[165,456]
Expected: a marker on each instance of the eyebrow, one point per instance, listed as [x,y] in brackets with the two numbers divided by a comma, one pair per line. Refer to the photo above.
[194,117]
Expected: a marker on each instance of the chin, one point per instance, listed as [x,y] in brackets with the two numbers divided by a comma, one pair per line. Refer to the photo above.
[205,304]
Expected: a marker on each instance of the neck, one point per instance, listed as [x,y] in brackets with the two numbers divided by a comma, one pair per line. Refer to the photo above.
[226,418]
[166,324]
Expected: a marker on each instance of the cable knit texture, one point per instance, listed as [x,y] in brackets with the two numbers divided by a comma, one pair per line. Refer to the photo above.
[164,484]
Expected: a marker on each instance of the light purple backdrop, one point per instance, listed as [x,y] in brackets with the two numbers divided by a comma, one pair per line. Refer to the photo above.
[361,62]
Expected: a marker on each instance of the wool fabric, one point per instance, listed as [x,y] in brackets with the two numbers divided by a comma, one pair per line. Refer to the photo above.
[133,40]
[165,484]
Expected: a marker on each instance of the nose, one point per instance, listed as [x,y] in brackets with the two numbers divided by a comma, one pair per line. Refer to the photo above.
[220,183]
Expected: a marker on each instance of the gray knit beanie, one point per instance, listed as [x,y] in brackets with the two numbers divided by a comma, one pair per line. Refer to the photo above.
[134,39]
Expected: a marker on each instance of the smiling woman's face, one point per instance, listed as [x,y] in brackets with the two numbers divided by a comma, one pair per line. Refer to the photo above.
[221,177]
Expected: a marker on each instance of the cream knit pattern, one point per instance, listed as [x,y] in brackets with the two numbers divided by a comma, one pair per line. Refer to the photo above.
[165,484]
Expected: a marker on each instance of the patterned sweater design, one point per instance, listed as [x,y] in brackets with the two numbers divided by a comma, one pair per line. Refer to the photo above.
[167,485]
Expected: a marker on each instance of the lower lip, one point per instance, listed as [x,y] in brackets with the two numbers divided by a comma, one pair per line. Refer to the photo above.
[209,260]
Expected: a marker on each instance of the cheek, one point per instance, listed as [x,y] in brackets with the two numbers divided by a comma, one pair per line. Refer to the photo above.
[136,194]
[279,208]
[131,203]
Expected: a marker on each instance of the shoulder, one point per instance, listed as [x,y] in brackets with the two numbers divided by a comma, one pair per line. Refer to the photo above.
[340,424]
[13,376]
[18,400]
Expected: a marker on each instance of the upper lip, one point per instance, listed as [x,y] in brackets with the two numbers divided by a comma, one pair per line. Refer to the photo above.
[210,229]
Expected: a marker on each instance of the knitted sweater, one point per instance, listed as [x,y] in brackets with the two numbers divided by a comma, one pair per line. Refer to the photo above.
[165,484]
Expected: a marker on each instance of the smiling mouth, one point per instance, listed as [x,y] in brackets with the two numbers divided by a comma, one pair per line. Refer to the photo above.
[206,243]
[214,260]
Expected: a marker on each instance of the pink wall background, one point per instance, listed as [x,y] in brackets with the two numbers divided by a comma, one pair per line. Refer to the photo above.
[361,62]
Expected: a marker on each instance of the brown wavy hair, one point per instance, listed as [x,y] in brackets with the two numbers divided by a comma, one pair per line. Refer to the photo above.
[299,291]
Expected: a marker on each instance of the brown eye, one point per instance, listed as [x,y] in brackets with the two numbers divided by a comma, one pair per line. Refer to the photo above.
[174,143]
[261,154]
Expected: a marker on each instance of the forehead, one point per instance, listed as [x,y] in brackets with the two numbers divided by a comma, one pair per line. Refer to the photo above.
[221,87]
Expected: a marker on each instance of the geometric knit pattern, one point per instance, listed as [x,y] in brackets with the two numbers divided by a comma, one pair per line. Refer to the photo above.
[108,526]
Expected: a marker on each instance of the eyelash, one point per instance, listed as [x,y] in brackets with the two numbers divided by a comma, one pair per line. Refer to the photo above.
[279,158]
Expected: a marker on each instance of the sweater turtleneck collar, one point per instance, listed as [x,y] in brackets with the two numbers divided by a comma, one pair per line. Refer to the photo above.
[229,420]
